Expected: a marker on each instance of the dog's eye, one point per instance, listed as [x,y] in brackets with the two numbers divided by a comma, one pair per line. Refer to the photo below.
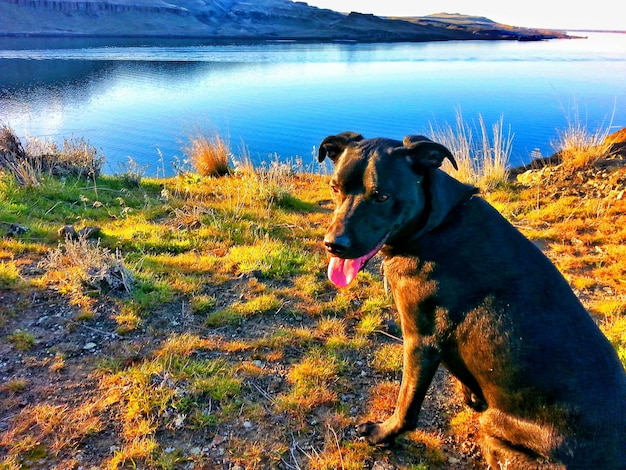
[335,189]
[379,197]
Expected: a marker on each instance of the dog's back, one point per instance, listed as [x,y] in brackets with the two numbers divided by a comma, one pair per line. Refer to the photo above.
[522,339]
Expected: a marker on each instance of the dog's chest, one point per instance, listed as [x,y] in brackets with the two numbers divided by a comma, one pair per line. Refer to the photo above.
[405,273]
[414,291]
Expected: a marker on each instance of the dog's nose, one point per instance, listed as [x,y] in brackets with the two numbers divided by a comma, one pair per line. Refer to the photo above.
[337,245]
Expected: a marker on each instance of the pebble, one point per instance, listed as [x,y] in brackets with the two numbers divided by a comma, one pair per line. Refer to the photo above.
[382,466]
[90,346]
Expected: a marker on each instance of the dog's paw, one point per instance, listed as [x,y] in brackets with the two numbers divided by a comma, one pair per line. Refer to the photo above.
[372,433]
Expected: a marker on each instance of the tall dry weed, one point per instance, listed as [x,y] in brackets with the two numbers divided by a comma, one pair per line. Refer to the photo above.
[28,164]
[577,147]
[15,160]
[482,160]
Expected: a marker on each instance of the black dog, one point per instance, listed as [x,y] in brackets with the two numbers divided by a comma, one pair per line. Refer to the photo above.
[475,295]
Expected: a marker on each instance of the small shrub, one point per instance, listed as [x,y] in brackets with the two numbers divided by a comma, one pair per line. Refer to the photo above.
[128,319]
[79,157]
[369,323]
[578,148]
[343,455]
[9,275]
[81,268]
[376,304]
[58,363]
[90,264]
[75,157]
[132,173]
[275,184]
[209,157]
[28,164]
[14,159]
[14,386]
[333,330]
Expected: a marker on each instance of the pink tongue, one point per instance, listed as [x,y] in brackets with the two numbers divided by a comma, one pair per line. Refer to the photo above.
[342,272]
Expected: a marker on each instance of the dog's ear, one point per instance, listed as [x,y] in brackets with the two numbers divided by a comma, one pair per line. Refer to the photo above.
[334,145]
[443,191]
[423,152]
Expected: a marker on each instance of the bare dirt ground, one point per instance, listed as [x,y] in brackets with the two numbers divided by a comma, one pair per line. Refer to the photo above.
[84,346]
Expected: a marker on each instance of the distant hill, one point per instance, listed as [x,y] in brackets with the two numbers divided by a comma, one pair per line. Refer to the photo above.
[243,19]
[483,27]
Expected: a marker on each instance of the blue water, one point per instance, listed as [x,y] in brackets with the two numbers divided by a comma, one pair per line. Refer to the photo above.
[279,100]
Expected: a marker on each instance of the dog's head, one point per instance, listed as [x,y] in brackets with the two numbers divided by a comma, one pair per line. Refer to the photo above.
[384,190]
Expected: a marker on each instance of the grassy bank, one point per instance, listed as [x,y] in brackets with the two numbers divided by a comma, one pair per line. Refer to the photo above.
[187,322]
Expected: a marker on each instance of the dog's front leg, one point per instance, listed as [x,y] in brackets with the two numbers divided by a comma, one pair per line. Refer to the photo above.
[420,364]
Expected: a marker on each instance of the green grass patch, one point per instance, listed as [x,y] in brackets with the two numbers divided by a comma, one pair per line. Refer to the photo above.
[22,340]
[238,311]
[271,258]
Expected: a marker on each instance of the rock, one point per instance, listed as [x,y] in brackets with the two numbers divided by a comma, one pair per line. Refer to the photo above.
[382,466]
[217,440]
[88,232]
[617,137]
[67,232]
[15,230]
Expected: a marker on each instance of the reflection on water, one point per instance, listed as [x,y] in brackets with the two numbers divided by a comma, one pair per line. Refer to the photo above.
[143,100]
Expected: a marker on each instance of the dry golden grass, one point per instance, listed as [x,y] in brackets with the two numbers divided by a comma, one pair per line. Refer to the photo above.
[311,383]
[61,425]
[482,161]
[578,148]
[210,157]
[30,164]
[9,274]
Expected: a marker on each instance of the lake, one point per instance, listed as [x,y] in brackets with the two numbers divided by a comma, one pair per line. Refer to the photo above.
[143,99]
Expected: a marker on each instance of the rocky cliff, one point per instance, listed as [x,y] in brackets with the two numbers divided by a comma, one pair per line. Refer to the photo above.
[259,19]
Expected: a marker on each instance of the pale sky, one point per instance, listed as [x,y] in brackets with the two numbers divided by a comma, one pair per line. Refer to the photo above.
[594,14]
